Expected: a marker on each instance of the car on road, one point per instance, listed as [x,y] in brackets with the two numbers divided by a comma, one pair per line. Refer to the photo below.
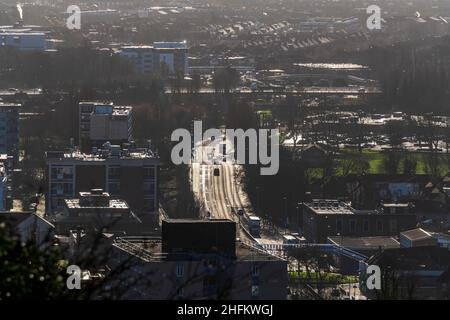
[216,172]
[290,239]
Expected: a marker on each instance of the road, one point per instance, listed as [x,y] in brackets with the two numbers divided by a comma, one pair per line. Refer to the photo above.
[218,195]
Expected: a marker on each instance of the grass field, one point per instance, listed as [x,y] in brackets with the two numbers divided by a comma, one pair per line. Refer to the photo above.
[375,160]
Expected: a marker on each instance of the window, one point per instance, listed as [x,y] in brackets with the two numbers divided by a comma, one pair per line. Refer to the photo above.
[149,188]
[114,188]
[339,225]
[179,271]
[366,226]
[352,226]
[255,270]
[149,172]
[149,205]
[68,188]
[180,293]
[393,225]
[379,226]
[62,188]
[114,172]
[59,202]
[255,291]
[61,173]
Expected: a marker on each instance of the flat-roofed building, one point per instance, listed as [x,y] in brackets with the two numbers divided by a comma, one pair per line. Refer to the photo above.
[327,218]
[366,246]
[24,39]
[128,173]
[417,238]
[96,211]
[219,268]
[101,122]
[171,57]
[165,58]
[140,56]
[9,128]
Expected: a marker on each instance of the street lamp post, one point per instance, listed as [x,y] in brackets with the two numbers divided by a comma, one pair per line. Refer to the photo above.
[285,214]
[257,199]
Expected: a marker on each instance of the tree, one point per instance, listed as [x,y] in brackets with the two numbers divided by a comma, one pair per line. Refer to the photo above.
[225,79]
[196,82]
[409,165]
[353,164]
[28,273]
[391,162]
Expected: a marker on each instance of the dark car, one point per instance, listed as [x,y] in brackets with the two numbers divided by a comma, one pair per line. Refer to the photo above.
[216,172]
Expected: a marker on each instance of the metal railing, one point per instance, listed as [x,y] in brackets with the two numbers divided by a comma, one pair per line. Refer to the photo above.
[333,248]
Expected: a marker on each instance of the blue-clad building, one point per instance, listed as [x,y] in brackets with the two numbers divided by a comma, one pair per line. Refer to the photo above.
[9,128]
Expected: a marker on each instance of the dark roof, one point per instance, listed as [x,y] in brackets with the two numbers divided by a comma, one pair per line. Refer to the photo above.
[416,234]
[13,219]
[210,221]
[365,243]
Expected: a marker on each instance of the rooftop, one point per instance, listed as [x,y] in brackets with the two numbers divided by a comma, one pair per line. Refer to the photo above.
[365,243]
[12,32]
[13,219]
[96,198]
[111,109]
[150,249]
[170,45]
[109,152]
[10,105]
[416,234]
[113,204]
[329,207]
[395,205]
[326,206]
